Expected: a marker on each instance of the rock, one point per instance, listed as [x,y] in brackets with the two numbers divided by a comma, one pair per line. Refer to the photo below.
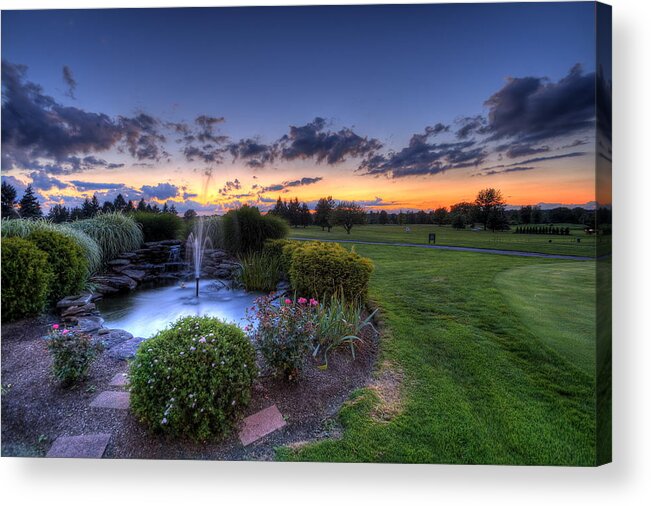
[86,309]
[89,324]
[170,242]
[105,290]
[127,349]
[75,300]
[128,256]
[102,332]
[118,261]
[118,282]
[114,338]
[134,274]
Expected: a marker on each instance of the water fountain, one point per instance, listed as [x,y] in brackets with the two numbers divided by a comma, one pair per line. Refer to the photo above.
[197,244]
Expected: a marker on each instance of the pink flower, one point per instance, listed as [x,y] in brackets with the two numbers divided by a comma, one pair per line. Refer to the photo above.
[288,301]
[302,300]
[55,326]
[314,302]
[65,331]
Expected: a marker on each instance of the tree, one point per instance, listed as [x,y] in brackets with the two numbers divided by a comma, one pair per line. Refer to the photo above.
[294,212]
[29,205]
[348,214]
[497,219]
[8,201]
[440,216]
[58,214]
[458,221]
[142,206]
[130,207]
[323,213]
[466,210]
[119,203]
[305,215]
[190,214]
[90,207]
[107,207]
[166,208]
[172,210]
[384,217]
[487,200]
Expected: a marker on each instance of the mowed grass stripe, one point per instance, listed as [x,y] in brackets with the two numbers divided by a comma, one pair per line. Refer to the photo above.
[479,386]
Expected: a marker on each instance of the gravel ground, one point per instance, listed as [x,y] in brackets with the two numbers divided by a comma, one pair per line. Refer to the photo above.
[35,410]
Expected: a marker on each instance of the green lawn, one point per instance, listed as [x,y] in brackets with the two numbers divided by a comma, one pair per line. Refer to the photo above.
[557,304]
[448,236]
[481,384]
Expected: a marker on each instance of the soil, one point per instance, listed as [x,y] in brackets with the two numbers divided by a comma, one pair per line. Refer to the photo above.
[36,410]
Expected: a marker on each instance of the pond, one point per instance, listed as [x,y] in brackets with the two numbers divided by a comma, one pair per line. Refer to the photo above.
[145,311]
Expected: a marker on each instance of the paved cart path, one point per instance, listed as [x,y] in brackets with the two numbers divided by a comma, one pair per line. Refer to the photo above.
[453,248]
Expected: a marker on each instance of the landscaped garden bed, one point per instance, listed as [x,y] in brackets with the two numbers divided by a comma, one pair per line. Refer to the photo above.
[72,384]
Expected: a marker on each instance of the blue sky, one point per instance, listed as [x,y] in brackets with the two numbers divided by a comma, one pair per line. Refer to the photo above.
[384,72]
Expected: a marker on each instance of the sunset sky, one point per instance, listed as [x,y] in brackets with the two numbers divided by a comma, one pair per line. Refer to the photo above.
[396,107]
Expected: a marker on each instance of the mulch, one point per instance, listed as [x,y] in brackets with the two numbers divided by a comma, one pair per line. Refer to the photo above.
[36,410]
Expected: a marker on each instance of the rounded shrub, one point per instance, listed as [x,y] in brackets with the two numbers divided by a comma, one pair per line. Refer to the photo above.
[66,259]
[322,270]
[282,249]
[158,226]
[115,233]
[26,278]
[193,379]
[22,228]
[245,230]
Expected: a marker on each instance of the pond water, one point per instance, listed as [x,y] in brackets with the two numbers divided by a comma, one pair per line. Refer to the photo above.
[145,311]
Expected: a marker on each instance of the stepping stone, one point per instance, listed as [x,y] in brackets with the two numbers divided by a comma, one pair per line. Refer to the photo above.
[75,300]
[119,380]
[260,424]
[113,337]
[111,400]
[89,324]
[91,446]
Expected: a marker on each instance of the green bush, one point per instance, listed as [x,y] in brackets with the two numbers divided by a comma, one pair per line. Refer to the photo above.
[115,233]
[22,228]
[158,226]
[259,271]
[193,379]
[72,354]
[66,259]
[26,278]
[322,270]
[245,230]
[282,249]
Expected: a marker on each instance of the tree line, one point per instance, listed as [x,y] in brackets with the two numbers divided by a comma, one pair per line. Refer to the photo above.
[29,207]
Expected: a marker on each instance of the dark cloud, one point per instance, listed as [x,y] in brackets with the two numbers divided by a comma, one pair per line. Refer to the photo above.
[518,150]
[35,126]
[230,186]
[423,157]
[201,141]
[70,81]
[90,185]
[469,125]
[161,191]
[314,141]
[494,172]
[532,109]
[253,152]
[43,182]
[289,184]
[539,159]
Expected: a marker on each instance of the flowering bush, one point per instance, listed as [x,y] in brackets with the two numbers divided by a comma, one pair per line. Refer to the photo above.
[193,379]
[72,353]
[284,332]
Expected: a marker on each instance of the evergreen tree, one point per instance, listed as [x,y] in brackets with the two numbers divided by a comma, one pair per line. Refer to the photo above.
[108,207]
[76,214]
[172,210]
[190,214]
[165,208]
[383,219]
[8,209]
[130,207]
[306,216]
[294,213]
[119,203]
[29,205]
[58,214]
[142,206]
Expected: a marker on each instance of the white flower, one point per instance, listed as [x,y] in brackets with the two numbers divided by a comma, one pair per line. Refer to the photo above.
[163,421]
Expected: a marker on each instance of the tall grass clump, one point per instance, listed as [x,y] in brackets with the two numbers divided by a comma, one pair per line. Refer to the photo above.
[115,233]
[245,230]
[23,228]
[339,323]
[259,271]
